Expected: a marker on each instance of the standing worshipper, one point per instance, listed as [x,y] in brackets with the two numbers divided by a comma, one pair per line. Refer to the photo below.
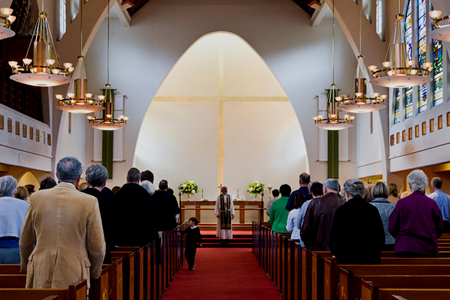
[225,213]
[316,191]
[278,212]
[12,216]
[167,206]
[293,218]
[304,180]
[62,237]
[385,208]
[135,213]
[315,231]
[442,200]
[416,221]
[357,233]
[96,176]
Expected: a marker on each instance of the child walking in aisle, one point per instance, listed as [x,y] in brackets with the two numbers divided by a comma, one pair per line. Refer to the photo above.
[193,236]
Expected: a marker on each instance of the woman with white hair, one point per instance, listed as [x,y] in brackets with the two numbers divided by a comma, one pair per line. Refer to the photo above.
[12,215]
[357,234]
[416,221]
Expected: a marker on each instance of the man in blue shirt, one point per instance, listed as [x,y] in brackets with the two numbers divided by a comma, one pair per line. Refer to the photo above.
[442,200]
[305,178]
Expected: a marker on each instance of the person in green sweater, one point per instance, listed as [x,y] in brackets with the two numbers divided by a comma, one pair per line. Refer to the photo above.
[278,213]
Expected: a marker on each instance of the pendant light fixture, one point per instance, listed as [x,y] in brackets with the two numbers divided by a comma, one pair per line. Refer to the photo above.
[361,103]
[78,100]
[399,72]
[441,31]
[108,122]
[44,69]
[333,121]
[7,18]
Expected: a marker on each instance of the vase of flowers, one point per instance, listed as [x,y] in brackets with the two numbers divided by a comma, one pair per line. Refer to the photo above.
[255,188]
[189,188]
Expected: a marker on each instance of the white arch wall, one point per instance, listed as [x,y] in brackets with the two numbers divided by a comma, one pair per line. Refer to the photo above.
[299,56]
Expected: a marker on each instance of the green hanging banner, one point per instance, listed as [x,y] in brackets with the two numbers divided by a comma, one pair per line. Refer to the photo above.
[333,135]
[108,136]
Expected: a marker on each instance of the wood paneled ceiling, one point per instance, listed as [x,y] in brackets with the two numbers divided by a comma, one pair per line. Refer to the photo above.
[138,4]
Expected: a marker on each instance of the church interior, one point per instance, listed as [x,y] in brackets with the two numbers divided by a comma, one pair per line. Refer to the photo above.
[228,92]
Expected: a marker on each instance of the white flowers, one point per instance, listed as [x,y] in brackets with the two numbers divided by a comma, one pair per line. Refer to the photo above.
[192,192]
[255,187]
[188,187]
[184,185]
[250,189]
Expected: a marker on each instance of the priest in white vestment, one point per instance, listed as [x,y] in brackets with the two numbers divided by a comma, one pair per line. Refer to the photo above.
[225,213]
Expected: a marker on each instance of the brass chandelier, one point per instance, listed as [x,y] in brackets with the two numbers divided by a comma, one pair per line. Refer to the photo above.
[7,18]
[107,122]
[78,100]
[399,71]
[361,103]
[441,31]
[44,68]
[332,121]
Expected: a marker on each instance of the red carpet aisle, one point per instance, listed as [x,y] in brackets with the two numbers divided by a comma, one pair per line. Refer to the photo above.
[222,273]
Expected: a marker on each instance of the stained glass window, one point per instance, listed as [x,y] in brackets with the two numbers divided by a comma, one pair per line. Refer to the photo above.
[380,18]
[422,50]
[397,106]
[409,49]
[61,19]
[438,90]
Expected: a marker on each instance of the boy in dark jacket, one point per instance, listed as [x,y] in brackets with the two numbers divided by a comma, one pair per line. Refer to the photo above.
[193,236]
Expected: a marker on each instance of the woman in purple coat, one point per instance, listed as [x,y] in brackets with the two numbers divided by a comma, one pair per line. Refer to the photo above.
[416,221]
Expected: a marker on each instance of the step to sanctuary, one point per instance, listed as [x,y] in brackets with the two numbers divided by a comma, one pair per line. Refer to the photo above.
[241,238]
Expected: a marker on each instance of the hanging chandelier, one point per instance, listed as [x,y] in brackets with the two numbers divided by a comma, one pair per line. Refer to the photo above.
[78,100]
[361,103]
[399,71]
[44,69]
[333,121]
[107,122]
[442,31]
[7,18]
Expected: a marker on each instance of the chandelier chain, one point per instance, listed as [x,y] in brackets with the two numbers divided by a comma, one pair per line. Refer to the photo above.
[333,42]
[107,55]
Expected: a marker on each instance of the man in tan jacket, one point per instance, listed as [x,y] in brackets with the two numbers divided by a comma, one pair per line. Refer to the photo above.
[62,238]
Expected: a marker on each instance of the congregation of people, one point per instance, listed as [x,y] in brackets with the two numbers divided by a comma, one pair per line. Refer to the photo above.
[356,222]
[64,232]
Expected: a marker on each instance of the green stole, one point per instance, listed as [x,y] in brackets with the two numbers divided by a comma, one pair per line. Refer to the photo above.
[225,214]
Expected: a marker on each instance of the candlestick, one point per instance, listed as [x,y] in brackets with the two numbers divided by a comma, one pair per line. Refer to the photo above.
[237,197]
[270,192]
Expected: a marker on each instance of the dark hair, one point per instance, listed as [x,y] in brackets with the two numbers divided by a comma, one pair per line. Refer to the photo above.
[147,175]
[115,189]
[305,178]
[47,183]
[196,221]
[133,175]
[170,191]
[299,198]
[30,188]
[275,193]
[393,190]
[163,185]
[285,190]
[317,189]
[22,193]
[437,182]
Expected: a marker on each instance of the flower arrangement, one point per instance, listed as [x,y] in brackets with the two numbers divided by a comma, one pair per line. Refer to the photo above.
[188,187]
[255,187]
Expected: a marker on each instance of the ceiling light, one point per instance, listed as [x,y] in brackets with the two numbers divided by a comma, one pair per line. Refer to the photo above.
[38,71]
[441,31]
[8,19]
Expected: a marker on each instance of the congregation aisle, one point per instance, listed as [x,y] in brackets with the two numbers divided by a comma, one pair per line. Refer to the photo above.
[222,273]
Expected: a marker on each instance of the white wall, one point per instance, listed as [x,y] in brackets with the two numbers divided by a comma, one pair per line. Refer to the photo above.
[298,55]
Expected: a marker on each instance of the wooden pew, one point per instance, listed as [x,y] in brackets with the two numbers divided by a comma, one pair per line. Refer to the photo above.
[371,291]
[10,277]
[75,291]
[128,292]
[140,270]
[350,276]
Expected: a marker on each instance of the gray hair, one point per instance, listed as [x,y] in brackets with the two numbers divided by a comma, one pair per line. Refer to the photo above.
[354,187]
[417,180]
[148,186]
[96,175]
[68,169]
[380,190]
[223,188]
[8,186]
[332,184]
[133,175]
